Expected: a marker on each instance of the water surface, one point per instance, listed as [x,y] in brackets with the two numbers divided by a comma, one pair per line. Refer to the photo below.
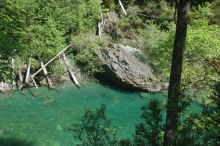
[41,117]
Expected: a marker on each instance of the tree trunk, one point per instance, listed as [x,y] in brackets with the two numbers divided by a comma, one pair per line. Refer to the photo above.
[174,91]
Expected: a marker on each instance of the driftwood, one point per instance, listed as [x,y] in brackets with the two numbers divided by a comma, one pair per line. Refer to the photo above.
[122,7]
[47,77]
[35,84]
[43,67]
[29,76]
[20,75]
[28,72]
[13,71]
[70,69]
[58,54]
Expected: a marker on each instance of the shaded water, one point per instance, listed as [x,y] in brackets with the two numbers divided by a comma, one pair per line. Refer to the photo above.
[41,117]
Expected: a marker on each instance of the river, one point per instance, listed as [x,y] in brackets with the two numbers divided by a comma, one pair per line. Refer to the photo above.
[41,117]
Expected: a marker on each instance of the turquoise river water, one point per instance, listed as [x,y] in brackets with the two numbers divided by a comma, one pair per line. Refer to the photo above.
[41,117]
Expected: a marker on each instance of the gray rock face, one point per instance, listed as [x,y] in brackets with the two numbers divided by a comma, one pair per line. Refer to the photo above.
[4,87]
[124,69]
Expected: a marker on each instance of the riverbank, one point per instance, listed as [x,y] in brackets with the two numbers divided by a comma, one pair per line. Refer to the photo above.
[118,64]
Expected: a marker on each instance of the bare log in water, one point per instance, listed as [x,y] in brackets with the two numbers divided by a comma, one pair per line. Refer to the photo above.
[13,72]
[69,67]
[35,84]
[46,74]
[58,54]
[20,75]
[28,72]
[28,75]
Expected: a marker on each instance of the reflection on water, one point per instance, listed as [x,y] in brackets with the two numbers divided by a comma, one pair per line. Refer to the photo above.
[44,118]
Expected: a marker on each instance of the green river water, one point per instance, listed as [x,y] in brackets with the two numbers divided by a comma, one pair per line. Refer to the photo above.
[41,117]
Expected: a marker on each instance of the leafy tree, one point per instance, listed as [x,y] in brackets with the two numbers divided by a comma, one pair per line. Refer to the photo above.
[109,4]
[196,71]
[87,48]
[201,129]
[41,44]
[216,11]
[39,29]
[9,36]
[95,129]
[150,131]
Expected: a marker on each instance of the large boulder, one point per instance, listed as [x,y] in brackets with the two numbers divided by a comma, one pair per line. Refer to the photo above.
[4,87]
[126,70]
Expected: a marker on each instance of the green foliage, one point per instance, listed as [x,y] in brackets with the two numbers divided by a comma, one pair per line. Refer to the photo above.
[40,29]
[85,15]
[31,28]
[109,4]
[158,11]
[201,12]
[194,129]
[36,26]
[202,129]
[95,129]
[207,40]
[216,11]
[6,51]
[9,36]
[202,42]
[5,71]
[44,44]
[150,131]
[132,20]
[6,45]
[158,48]
[87,47]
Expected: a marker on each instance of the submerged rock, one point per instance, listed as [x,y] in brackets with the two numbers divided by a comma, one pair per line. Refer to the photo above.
[125,69]
[144,95]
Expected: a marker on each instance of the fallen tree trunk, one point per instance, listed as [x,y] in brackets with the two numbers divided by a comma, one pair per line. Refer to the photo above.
[28,75]
[35,84]
[122,7]
[20,75]
[58,54]
[13,72]
[47,77]
[28,72]
[69,68]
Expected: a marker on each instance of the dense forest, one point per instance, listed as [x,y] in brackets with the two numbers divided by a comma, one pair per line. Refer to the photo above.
[180,39]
